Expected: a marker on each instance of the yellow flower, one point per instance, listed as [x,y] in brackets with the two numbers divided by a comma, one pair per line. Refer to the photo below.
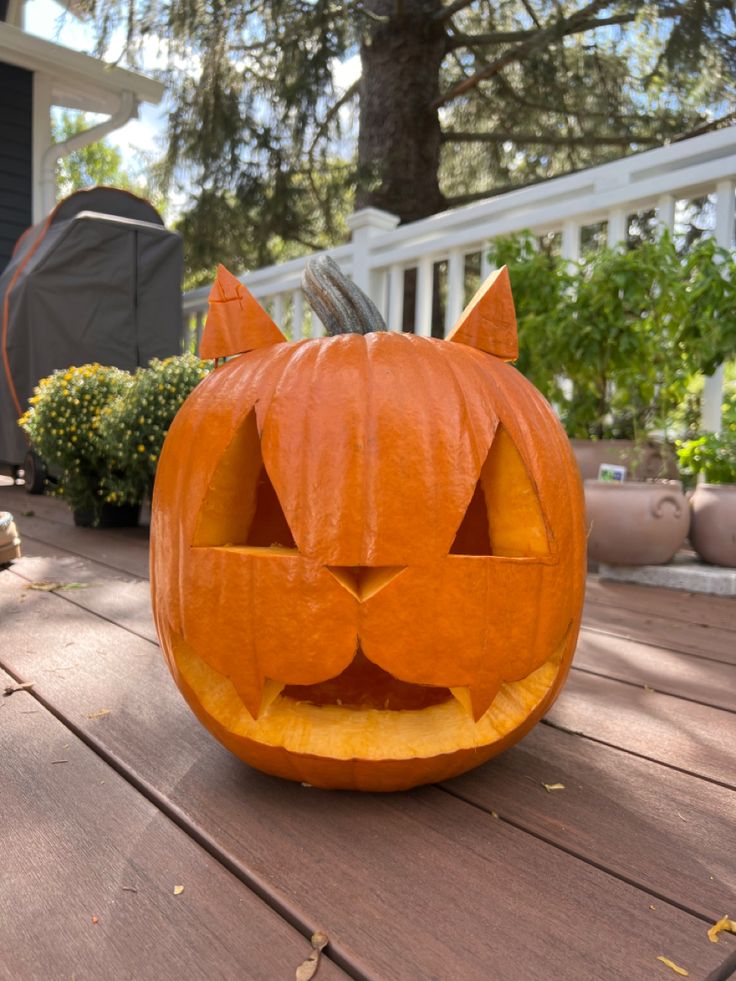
[141,448]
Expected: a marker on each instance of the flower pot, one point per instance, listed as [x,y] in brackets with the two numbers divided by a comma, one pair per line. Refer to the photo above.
[111,516]
[645,461]
[713,527]
[632,523]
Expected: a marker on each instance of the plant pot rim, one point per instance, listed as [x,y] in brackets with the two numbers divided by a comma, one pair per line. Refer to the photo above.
[660,484]
[705,486]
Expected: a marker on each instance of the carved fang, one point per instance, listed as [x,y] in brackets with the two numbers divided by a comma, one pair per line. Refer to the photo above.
[488,322]
[236,321]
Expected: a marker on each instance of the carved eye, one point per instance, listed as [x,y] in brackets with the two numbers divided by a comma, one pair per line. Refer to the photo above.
[504,516]
[241,506]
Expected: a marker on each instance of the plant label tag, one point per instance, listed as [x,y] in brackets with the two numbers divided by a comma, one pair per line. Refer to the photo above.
[611,471]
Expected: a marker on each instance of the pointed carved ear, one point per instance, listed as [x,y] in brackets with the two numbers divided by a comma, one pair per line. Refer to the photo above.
[488,322]
[236,321]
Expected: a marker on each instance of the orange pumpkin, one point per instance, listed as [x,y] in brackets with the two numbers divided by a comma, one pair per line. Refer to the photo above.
[367,549]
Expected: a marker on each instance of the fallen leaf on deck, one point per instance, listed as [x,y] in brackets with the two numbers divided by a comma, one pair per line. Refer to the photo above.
[59,761]
[723,924]
[648,688]
[10,689]
[99,714]
[675,968]
[27,514]
[129,889]
[95,919]
[549,787]
[178,890]
[494,814]
[308,968]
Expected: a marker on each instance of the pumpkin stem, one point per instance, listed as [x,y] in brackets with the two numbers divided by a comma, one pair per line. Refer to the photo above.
[341,305]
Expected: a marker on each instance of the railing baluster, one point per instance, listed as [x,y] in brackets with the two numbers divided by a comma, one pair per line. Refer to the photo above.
[571,241]
[666,211]
[395,298]
[277,314]
[423,306]
[617,227]
[455,288]
[297,315]
[485,262]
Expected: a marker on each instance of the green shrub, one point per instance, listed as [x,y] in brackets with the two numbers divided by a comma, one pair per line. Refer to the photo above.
[63,424]
[713,455]
[614,340]
[133,426]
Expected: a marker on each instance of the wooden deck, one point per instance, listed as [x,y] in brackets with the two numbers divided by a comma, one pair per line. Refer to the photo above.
[112,795]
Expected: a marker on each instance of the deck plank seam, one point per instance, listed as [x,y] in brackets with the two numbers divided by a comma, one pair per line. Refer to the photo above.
[641,756]
[79,555]
[661,691]
[582,857]
[259,887]
[651,643]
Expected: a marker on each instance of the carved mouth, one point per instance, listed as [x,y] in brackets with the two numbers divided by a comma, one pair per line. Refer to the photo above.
[363,685]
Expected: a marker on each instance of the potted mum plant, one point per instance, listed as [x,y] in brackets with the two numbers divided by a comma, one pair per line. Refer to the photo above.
[712,458]
[133,426]
[63,425]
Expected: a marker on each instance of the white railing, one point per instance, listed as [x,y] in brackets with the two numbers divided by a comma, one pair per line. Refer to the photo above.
[381,255]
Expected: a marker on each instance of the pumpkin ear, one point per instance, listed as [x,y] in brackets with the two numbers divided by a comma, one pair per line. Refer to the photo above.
[236,321]
[488,322]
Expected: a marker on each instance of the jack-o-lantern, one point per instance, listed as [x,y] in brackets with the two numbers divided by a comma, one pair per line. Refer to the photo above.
[367,548]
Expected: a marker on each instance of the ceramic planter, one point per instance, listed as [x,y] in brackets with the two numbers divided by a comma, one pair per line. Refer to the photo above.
[713,528]
[644,461]
[632,523]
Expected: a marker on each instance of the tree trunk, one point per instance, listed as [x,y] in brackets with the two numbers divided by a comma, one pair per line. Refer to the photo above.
[399,143]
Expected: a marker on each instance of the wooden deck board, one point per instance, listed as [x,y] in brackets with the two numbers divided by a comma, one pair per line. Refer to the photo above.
[699,639]
[459,885]
[672,604]
[691,737]
[672,672]
[669,835]
[89,868]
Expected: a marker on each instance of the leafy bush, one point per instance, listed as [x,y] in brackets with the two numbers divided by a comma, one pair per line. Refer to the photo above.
[133,426]
[63,424]
[712,455]
[614,340]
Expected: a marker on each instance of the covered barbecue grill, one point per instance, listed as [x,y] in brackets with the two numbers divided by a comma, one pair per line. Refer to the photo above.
[98,280]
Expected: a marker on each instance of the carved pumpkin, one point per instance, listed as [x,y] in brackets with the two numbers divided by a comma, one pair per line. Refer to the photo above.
[368,548]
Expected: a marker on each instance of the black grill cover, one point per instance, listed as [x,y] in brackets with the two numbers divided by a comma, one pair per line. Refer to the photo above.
[99,280]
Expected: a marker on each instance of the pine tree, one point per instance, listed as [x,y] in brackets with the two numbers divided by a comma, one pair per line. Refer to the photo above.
[456,100]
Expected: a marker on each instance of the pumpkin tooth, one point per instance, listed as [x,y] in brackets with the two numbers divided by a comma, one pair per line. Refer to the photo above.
[462,695]
[271,691]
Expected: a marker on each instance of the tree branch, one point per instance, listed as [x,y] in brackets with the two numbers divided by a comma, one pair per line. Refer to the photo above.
[447,12]
[510,37]
[452,136]
[349,94]
[572,25]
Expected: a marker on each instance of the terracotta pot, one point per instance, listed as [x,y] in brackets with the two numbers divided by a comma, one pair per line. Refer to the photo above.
[644,461]
[713,528]
[634,523]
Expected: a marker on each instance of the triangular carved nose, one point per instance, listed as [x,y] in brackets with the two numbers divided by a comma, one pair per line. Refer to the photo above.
[364,581]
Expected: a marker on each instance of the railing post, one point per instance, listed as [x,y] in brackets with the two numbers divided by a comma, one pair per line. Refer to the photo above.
[365,225]
[713,389]
[423,302]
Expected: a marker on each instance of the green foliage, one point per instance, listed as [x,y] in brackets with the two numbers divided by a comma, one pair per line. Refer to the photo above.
[133,427]
[615,343]
[103,428]
[96,163]
[712,455]
[63,424]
